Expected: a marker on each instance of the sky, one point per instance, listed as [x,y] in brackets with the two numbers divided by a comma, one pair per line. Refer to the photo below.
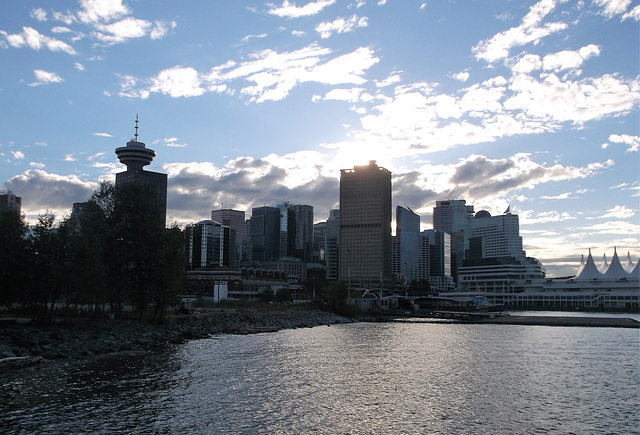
[526,105]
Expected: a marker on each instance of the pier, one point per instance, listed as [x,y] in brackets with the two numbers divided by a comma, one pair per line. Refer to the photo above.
[492,318]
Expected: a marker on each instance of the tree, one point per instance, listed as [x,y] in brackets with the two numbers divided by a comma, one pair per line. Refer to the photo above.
[14,258]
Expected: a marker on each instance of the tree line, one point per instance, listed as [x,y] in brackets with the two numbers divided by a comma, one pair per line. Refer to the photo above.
[115,254]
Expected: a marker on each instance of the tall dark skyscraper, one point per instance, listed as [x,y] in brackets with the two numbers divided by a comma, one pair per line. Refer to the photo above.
[136,156]
[10,202]
[365,225]
[265,233]
[454,217]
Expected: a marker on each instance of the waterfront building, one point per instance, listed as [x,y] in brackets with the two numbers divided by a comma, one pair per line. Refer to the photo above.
[211,245]
[246,283]
[10,202]
[319,235]
[265,233]
[589,289]
[332,245]
[234,219]
[495,260]
[454,217]
[365,225]
[438,245]
[406,244]
[135,155]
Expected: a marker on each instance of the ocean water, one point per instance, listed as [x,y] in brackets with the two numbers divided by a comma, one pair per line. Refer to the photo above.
[364,378]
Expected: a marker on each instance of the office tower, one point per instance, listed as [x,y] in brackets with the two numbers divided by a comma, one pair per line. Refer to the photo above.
[438,244]
[301,231]
[495,236]
[265,233]
[319,234]
[407,251]
[365,225]
[136,156]
[332,245]
[286,243]
[10,202]
[234,219]
[454,217]
[211,244]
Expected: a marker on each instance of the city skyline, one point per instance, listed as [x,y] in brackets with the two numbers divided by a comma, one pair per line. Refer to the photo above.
[532,106]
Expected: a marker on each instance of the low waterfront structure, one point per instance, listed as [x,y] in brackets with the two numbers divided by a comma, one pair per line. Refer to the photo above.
[615,288]
[245,283]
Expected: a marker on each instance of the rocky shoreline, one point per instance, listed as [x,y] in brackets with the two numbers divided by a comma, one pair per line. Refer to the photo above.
[94,338]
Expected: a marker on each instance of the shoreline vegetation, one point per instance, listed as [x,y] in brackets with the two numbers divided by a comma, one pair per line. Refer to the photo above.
[24,344]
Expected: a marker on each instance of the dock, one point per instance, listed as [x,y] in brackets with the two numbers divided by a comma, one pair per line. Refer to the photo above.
[493,318]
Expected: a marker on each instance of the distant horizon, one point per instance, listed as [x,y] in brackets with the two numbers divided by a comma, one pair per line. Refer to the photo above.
[529,105]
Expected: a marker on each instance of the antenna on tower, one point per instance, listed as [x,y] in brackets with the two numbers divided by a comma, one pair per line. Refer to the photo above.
[136,135]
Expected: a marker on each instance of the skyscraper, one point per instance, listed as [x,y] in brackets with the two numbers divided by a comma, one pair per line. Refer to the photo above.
[408,243]
[136,156]
[10,202]
[332,245]
[365,225]
[211,244]
[496,236]
[454,217]
[302,226]
[265,233]
[234,219]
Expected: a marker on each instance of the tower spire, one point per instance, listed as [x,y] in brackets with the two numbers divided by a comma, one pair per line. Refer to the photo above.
[135,137]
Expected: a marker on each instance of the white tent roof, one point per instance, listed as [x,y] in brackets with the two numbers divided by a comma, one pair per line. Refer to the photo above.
[628,265]
[604,265]
[615,270]
[589,271]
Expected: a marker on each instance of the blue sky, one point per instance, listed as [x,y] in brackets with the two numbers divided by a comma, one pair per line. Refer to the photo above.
[528,105]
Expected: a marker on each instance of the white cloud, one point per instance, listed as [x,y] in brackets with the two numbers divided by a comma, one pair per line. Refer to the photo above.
[33,39]
[340,25]
[619,212]
[96,11]
[102,134]
[633,14]
[161,29]
[611,8]
[565,195]
[96,156]
[569,59]
[351,95]
[530,30]
[572,101]
[61,29]
[177,82]
[461,76]
[39,14]
[37,165]
[45,77]
[79,66]
[527,63]
[290,10]
[69,158]
[632,141]
[272,75]
[122,30]
[18,155]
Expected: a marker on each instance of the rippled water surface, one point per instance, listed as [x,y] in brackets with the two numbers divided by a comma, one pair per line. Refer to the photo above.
[358,378]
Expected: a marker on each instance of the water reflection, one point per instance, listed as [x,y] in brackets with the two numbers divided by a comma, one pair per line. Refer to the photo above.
[359,378]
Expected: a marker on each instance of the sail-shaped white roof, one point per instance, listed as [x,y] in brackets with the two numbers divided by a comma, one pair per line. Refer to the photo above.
[628,265]
[615,270]
[604,265]
[581,265]
[635,273]
[589,271]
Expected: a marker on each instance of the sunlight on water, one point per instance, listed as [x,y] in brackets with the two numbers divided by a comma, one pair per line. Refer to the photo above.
[357,378]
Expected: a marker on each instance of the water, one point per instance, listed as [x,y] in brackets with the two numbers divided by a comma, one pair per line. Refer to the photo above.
[391,378]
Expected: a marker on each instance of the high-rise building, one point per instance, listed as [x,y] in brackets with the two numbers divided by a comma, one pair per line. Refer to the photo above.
[319,234]
[495,236]
[10,202]
[265,233]
[211,244]
[365,225]
[234,219]
[439,245]
[454,217]
[332,245]
[407,242]
[136,156]
[301,225]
